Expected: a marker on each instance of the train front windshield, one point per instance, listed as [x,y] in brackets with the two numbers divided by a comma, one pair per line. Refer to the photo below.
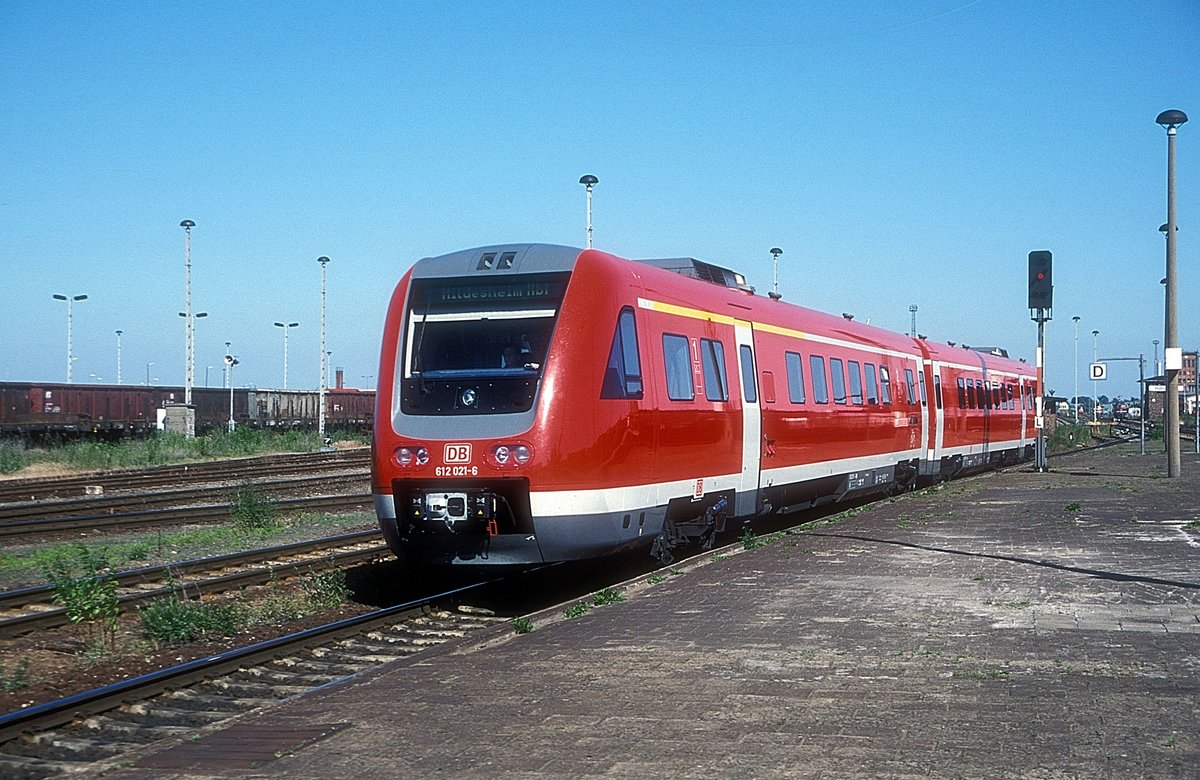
[477,347]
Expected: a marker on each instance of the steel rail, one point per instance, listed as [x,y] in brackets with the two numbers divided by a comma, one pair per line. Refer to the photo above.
[168,498]
[28,488]
[205,514]
[62,711]
[49,618]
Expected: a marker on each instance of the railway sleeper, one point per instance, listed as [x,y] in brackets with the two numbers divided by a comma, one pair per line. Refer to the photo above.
[32,767]
[202,700]
[262,691]
[61,746]
[160,715]
[285,677]
[105,727]
[320,667]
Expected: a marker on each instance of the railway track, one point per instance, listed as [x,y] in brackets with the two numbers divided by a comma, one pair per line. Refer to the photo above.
[63,737]
[142,479]
[29,529]
[28,609]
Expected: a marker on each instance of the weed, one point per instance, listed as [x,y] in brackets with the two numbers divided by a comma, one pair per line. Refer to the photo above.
[1072,506]
[751,542]
[251,511]
[522,625]
[17,679]
[1192,526]
[675,570]
[656,579]
[175,620]
[87,595]
[607,596]
[327,589]
[578,609]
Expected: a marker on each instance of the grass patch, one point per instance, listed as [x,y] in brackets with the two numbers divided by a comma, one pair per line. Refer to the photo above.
[175,619]
[160,449]
[578,609]
[16,678]
[522,625]
[28,564]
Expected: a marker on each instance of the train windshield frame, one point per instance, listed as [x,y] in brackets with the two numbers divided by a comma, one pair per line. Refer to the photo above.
[490,335]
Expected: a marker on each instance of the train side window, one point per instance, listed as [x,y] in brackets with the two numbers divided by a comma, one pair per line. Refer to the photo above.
[837,375]
[678,365]
[795,375]
[712,356]
[872,395]
[910,383]
[1012,401]
[749,392]
[885,385]
[996,395]
[623,372]
[962,393]
[921,381]
[937,390]
[856,393]
[820,386]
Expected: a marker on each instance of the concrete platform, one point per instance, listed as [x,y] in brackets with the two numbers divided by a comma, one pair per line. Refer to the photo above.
[1013,625]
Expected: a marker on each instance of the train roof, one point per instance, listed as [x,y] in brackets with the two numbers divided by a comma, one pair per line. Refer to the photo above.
[525,258]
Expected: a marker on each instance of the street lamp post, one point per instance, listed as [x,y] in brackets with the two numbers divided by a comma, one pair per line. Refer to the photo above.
[286,328]
[148,373]
[912,309]
[775,253]
[1075,400]
[189,334]
[118,357]
[1095,358]
[230,362]
[324,261]
[589,181]
[70,324]
[1156,369]
[1171,120]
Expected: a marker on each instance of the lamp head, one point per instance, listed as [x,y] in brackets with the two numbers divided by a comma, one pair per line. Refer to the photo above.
[1171,118]
[589,181]
[187,225]
[776,252]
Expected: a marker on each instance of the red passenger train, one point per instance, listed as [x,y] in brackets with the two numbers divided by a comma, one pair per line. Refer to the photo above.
[544,403]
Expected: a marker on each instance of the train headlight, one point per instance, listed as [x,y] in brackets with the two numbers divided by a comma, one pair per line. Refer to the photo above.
[502,454]
[521,454]
[408,456]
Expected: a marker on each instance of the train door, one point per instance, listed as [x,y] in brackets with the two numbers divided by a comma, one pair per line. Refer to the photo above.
[747,491]
[934,395]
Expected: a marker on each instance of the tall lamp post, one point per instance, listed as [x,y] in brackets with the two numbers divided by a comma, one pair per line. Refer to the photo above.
[324,261]
[1171,120]
[1075,400]
[118,357]
[775,253]
[70,320]
[912,309]
[1095,358]
[230,362]
[588,182]
[188,333]
[286,328]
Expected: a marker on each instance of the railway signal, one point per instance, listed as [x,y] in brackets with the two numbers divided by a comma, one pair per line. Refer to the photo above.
[1041,301]
[1041,285]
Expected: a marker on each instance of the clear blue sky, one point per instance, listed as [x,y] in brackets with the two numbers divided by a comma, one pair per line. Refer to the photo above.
[899,153]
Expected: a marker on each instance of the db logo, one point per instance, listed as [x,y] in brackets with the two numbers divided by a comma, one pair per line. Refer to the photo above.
[698,492]
[458,453]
